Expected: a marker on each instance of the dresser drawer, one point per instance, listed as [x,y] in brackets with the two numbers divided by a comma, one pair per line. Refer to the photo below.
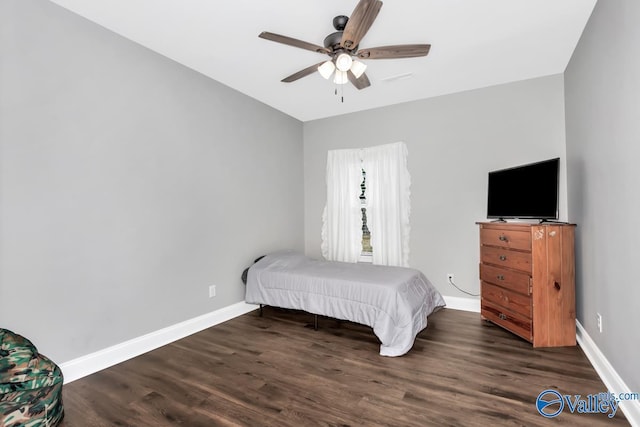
[515,323]
[515,281]
[513,239]
[506,258]
[510,301]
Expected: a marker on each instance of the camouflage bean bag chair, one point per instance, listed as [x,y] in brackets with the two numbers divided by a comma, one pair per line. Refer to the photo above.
[30,385]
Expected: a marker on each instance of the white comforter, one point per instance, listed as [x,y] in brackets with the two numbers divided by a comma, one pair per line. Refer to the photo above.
[394,301]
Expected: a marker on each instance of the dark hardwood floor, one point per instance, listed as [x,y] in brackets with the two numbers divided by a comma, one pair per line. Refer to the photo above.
[277,371]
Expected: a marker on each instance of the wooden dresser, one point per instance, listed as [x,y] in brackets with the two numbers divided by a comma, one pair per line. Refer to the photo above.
[527,274]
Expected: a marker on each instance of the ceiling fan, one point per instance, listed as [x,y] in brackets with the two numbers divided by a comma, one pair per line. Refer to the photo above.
[342,47]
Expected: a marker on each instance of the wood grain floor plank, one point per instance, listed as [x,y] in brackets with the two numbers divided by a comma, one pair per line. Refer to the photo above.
[277,371]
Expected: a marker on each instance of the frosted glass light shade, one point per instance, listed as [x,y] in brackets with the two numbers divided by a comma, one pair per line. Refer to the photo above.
[343,62]
[340,78]
[326,69]
[357,68]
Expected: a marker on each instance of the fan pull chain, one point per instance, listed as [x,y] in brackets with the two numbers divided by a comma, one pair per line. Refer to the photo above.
[335,92]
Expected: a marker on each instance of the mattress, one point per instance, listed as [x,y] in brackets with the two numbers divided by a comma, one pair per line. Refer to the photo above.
[394,301]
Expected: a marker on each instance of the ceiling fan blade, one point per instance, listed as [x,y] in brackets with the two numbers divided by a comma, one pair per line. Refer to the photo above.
[302,73]
[360,82]
[359,23]
[398,51]
[293,42]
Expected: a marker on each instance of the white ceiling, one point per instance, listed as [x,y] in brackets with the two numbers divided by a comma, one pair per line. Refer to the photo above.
[474,44]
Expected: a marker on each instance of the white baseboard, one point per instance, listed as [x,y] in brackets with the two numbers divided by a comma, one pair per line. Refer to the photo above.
[102,359]
[603,368]
[94,362]
[464,304]
[608,374]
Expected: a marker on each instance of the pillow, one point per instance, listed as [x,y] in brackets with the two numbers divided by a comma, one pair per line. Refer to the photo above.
[246,270]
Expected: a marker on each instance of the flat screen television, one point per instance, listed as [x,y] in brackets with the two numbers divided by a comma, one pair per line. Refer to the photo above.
[527,191]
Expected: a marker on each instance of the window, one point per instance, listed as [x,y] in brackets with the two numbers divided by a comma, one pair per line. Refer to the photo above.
[367,210]
[367,250]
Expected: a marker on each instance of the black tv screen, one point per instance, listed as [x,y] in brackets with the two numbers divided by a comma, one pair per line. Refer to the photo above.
[527,191]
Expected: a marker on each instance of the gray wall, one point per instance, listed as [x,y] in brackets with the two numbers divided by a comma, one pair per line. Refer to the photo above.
[453,141]
[602,88]
[128,184]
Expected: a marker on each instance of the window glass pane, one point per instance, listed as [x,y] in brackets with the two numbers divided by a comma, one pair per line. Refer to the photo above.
[366,235]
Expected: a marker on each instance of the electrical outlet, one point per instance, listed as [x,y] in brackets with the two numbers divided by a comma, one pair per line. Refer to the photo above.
[599,322]
[212,291]
[449,277]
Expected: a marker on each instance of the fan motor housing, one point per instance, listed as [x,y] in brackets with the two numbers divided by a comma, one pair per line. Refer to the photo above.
[333,40]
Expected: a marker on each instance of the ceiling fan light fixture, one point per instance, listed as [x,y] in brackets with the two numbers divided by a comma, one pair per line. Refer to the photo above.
[343,47]
[357,68]
[343,62]
[326,69]
[340,77]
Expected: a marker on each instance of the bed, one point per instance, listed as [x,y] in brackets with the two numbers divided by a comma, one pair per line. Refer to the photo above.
[394,301]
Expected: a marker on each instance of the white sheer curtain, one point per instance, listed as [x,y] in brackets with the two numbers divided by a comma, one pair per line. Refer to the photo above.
[342,217]
[388,203]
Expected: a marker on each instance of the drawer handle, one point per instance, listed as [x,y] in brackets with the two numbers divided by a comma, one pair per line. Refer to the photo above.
[500,277]
[556,285]
[503,257]
[503,238]
[502,316]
